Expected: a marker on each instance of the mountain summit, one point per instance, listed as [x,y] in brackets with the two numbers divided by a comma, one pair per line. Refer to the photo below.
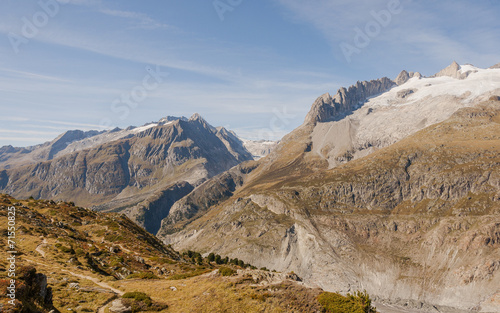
[134,169]
[392,188]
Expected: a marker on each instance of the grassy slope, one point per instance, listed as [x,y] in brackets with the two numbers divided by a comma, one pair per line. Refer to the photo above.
[84,254]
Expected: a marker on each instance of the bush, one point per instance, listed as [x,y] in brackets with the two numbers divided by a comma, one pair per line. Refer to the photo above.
[336,303]
[65,249]
[139,302]
[226,271]
[138,296]
[143,275]
[211,257]
[218,259]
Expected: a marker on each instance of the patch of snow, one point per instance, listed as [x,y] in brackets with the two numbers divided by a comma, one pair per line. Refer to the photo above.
[475,85]
[143,128]
[388,118]
[259,148]
[468,68]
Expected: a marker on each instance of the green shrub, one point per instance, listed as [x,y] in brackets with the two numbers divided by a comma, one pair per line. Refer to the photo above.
[218,259]
[138,296]
[336,303]
[143,275]
[226,271]
[65,249]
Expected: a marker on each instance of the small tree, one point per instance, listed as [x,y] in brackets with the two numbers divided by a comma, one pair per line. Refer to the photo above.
[218,259]
[211,257]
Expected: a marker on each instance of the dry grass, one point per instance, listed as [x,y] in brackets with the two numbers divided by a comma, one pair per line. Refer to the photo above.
[82,269]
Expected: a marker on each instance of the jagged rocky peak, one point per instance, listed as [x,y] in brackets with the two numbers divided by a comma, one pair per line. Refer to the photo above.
[495,66]
[200,120]
[196,117]
[454,70]
[169,119]
[404,76]
[327,108]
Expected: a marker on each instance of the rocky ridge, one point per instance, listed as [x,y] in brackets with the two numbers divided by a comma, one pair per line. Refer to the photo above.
[327,107]
[141,168]
[343,235]
[389,223]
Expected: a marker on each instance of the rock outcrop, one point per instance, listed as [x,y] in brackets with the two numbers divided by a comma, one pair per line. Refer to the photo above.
[210,193]
[404,76]
[454,71]
[149,213]
[495,66]
[327,108]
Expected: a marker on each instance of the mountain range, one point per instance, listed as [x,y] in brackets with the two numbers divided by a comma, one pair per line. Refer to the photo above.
[136,169]
[389,186]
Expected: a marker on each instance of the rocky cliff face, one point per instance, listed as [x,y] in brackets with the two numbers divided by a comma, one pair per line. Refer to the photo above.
[122,173]
[404,76]
[208,194]
[149,213]
[417,220]
[326,107]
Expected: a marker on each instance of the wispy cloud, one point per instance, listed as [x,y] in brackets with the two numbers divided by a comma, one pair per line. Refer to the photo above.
[13,140]
[27,132]
[436,31]
[140,20]
[30,75]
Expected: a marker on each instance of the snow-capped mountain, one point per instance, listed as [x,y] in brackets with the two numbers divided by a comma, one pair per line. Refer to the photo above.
[76,140]
[259,148]
[121,168]
[385,118]
[389,187]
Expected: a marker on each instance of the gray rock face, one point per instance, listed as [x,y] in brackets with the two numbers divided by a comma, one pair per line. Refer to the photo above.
[113,172]
[327,108]
[234,144]
[415,221]
[149,213]
[210,193]
[404,76]
[453,71]
[495,66]
[117,306]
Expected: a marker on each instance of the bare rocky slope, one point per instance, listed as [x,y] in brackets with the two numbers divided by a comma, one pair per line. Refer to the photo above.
[397,193]
[155,164]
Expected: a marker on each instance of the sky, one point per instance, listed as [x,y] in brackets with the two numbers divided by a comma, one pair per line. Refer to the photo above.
[253,66]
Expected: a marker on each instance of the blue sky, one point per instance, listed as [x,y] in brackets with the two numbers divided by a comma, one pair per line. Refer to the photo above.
[253,66]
